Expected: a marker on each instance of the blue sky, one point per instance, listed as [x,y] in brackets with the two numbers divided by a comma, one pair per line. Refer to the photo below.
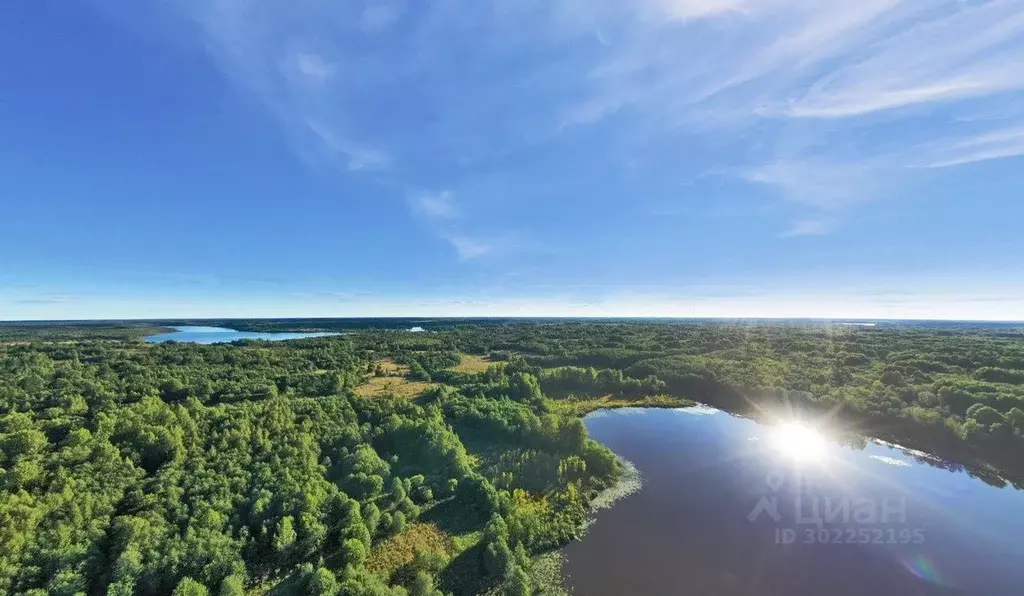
[500,157]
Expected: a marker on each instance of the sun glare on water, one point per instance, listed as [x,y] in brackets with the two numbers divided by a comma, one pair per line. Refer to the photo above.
[798,442]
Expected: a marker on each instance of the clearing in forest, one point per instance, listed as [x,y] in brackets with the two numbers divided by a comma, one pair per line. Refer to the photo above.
[472,364]
[391,554]
[390,377]
[578,406]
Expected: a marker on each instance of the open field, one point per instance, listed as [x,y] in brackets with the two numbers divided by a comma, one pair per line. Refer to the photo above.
[391,554]
[390,367]
[395,381]
[394,385]
[473,364]
[579,406]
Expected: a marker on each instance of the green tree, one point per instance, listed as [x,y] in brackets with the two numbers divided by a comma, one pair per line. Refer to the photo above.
[371,517]
[423,585]
[353,551]
[284,536]
[517,583]
[190,587]
[322,582]
[398,523]
[498,557]
[232,585]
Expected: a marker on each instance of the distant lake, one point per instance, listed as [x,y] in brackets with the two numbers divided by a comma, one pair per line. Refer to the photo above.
[729,507]
[213,335]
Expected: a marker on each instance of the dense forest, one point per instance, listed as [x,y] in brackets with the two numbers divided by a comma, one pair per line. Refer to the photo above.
[381,461]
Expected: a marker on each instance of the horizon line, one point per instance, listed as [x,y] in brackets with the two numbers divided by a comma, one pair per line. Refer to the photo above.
[520,317]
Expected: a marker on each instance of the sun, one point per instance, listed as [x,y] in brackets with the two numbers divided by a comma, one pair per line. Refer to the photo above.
[798,442]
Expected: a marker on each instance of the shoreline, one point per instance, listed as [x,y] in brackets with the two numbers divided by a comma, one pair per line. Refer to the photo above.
[547,570]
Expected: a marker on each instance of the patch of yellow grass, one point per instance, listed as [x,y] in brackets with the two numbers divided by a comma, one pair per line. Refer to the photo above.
[395,380]
[399,386]
[388,556]
[391,367]
[578,406]
[473,364]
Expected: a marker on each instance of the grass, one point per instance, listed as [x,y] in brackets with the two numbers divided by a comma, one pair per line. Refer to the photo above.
[580,405]
[442,530]
[546,570]
[546,574]
[486,452]
[394,381]
[392,554]
[469,363]
[463,576]
[391,367]
[445,530]
[399,386]
[628,483]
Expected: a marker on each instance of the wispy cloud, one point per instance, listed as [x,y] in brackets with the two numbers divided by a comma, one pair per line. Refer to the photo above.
[832,104]
[821,184]
[969,50]
[892,461]
[437,205]
[468,248]
[807,88]
[313,66]
[294,59]
[694,9]
[810,227]
[356,157]
[47,299]
[335,296]
[983,147]
[440,212]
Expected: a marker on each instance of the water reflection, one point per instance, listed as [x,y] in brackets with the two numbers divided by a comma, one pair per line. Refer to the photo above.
[731,506]
[798,441]
[214,335]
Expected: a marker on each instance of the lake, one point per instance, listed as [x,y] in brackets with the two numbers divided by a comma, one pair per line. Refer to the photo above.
[213,335]
[730,506]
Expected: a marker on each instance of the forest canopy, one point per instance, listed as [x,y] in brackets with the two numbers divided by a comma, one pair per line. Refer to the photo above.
[266,467]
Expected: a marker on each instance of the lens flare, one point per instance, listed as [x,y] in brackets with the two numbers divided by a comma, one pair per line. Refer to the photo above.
[923,567]
[798,442]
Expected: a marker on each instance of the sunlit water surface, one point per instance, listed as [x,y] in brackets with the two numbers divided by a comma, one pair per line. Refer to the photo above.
[730,506]
[213,335]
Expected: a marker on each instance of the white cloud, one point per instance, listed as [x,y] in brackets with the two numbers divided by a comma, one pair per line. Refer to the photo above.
[892,461]
[696,9]
[438,210]
[469,248]
[995,144]
[357,157]
[47,298]
[291,57]
[817,183]
[439,205]
[970,51]
[362,158]
[830,103]
[442,215]
[313,66]
[797,83]
[810,227]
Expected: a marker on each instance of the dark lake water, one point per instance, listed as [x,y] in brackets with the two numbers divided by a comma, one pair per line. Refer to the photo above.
[213,335]
[730,506]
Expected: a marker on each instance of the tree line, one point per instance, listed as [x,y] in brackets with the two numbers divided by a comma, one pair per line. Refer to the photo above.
[254,467]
